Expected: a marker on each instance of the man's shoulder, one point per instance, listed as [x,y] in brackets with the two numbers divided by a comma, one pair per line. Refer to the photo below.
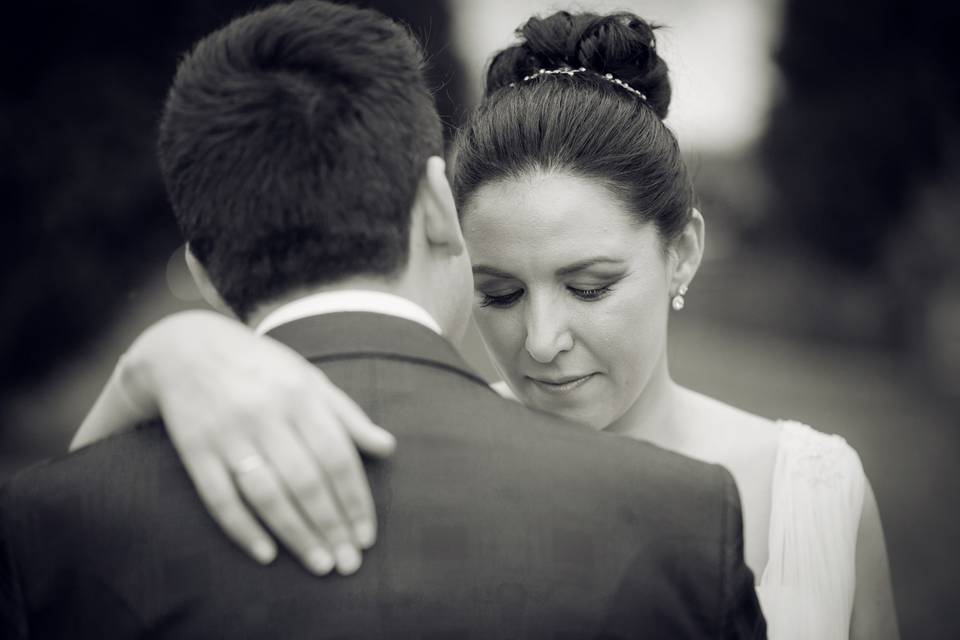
[630,469]
[123,460]
[625,456]
[668,520]
[97,502]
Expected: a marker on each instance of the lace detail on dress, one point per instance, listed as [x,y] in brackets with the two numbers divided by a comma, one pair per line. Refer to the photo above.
[817,458]
[808,585]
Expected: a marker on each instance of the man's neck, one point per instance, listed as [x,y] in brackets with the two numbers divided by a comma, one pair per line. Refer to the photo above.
[356,295]
[263,310]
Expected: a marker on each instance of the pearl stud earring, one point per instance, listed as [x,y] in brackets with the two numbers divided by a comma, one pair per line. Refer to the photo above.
[678,301]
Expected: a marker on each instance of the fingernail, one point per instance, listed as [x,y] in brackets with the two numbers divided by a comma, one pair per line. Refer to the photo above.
[387,438]
[366,535]
[320,561]
[264,551]
[348,559]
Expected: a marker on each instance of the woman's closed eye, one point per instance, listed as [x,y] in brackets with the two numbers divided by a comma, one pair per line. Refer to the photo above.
[507,299]
[589,295]
[499,299]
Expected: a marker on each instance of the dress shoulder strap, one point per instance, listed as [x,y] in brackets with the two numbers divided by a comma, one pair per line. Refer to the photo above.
[817,498]
[819,461]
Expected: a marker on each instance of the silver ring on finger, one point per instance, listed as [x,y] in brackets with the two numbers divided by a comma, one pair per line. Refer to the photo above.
[247,464]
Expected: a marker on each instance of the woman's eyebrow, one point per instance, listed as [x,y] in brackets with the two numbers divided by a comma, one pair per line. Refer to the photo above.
[586,264]
[482,269]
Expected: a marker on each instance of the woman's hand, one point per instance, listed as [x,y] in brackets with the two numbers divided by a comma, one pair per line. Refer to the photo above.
[254,421]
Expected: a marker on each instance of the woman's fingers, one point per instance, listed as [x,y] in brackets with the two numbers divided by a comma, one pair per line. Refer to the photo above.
[344,472]
[260,485]
[215,485]
[262,432]
[311,493]
[368,437]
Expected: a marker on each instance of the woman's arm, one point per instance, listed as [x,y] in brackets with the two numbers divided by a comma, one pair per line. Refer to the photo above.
[255,422]
[120,407]
[874,611]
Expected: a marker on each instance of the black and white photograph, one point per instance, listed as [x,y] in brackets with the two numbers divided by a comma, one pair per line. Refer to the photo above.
[508,319]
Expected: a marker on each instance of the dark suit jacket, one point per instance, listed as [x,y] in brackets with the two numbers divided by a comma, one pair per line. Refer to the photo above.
[494,522]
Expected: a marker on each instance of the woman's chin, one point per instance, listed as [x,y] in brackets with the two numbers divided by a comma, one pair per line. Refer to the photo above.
[580,415]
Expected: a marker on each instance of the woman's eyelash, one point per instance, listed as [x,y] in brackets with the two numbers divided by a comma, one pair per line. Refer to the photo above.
[506,300]
[590,294]
[488,300]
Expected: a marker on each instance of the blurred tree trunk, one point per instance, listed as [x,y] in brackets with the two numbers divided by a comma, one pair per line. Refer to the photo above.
[870,92]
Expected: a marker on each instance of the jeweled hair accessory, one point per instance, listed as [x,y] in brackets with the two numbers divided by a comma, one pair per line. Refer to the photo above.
[609,77]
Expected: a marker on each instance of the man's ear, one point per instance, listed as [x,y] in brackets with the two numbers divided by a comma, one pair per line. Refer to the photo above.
[436,206]
[204,285]
[687,251]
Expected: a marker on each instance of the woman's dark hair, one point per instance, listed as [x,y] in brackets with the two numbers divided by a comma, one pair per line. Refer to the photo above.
[582,123]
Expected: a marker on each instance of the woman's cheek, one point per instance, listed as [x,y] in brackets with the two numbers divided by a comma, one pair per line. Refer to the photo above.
[500,335]
[632,337]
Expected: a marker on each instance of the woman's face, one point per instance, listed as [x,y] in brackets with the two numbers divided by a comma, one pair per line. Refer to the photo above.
[571,294]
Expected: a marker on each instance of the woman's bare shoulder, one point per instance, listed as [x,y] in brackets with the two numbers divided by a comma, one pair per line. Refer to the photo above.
[747,445]
[730,428]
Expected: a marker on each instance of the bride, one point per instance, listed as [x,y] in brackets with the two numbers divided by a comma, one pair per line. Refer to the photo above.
[580,221]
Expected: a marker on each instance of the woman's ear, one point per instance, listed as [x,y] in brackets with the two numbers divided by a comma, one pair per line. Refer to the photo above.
[687,250]
[204,285]
[435,203]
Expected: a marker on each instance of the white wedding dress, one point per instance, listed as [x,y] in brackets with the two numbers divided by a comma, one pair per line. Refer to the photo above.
[807,588]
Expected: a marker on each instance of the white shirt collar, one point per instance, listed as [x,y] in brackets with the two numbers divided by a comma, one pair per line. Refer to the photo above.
[348,300]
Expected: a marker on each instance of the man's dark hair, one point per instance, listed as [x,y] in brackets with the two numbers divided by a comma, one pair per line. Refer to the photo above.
[291,144]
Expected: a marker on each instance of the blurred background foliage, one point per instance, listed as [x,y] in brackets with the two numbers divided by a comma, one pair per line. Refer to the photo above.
[830,290]
[863,156]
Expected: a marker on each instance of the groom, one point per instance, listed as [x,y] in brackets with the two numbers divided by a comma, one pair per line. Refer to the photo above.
[302,152]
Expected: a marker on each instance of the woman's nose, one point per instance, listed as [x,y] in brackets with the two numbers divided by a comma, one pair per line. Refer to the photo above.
[547,332]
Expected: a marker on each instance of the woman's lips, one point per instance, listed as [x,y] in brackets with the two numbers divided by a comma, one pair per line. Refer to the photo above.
[561,385]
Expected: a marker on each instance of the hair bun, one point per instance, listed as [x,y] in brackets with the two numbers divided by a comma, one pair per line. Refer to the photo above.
[621,44]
